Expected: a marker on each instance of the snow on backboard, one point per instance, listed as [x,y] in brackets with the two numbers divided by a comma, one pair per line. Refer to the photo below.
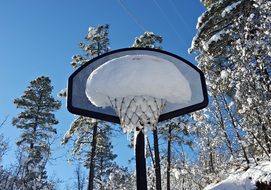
[137,75]
[78,103]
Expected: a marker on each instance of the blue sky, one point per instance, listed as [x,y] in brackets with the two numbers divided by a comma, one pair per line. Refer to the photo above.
[39,38]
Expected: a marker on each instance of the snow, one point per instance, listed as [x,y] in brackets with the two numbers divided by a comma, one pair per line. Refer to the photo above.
[250,101]
[231,104]
[137,75]
[63,93]
[176,173]
[245,180]
[137,87]
[190,50]
[200,20]
[230,8]
[224,74]
[214,38]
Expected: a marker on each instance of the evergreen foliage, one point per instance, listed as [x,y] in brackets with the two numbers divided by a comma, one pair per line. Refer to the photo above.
[36,121]
[233,47]
[148,40]
[97,44]
[92,144]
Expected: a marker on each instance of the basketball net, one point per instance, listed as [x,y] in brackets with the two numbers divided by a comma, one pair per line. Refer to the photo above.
[137,112]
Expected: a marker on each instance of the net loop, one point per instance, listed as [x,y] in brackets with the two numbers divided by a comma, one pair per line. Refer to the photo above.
[140,112]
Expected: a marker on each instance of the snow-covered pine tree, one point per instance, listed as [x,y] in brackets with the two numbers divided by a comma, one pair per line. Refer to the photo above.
[253,76]
[211,145]
[80,178]
[91,138]
[5,175]
[178,136]
[97,44]
[233,46]
[148,40]
[36,121]
[151,40]
[104,159]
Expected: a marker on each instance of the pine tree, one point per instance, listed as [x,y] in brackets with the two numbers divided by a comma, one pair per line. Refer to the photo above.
[36,122]
[148,40]
[104,159]
[98,42]
[233,46]
[92,136]
[176,136]
[5,175]
[80,178]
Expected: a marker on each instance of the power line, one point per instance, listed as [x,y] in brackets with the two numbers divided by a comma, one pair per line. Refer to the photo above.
[167,19]
[173,5]
[129,13]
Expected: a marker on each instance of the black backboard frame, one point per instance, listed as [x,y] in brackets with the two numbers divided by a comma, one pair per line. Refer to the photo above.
[115,119]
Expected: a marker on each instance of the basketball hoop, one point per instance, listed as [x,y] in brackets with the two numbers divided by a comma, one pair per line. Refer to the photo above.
[137,87]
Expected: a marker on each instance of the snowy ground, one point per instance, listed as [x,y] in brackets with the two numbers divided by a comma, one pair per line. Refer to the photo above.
[245,180]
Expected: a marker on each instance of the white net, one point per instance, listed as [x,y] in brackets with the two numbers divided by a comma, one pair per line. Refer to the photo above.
[139,112]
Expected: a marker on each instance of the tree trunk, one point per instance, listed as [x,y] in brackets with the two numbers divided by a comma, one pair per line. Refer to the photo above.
[265,132]
[77,172]
[153,163]
[259,142]
[266,138]
[169,156]
[211,161]
[150,150]
[157,159]
[222,126]
[236,130]
[92,158]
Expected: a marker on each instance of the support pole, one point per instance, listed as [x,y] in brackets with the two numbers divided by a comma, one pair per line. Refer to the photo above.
[141,176]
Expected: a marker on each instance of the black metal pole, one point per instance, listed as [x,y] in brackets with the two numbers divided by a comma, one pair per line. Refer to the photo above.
[141,176]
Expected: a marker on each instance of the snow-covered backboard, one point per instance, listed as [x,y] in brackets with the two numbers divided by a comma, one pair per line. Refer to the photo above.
[78,102]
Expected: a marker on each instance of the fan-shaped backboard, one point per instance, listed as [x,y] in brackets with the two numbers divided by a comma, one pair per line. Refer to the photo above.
[78,103]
